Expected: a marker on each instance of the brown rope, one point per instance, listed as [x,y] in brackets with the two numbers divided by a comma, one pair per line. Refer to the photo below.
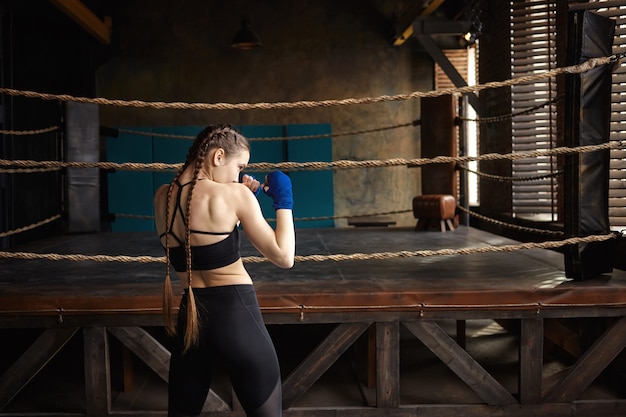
[301,166]
[506,117]
[503,178]
[574,69]
[275,138]
[337,135]
[29,170]
[322,258]
[509,225]
[30,227]
[126,166]
[81,257]
[383,213]
[135,216]
[301,219]
[160,135]
[443,252]
[29,132]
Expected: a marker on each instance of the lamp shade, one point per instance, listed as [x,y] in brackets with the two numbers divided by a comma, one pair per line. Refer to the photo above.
[245,38]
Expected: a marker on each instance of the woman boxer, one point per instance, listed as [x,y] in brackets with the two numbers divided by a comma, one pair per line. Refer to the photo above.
[219,321]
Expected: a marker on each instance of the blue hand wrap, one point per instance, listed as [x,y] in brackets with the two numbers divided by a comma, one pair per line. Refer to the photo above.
[278,186]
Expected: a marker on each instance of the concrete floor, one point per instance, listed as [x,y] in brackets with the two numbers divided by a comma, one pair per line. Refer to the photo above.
[424,378]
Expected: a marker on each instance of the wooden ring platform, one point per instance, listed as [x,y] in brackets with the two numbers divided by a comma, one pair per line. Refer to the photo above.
[528,287]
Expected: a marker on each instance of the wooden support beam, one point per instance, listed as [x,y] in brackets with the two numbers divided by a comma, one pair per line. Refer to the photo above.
[153,354]
[590,364]
[388,364]
[460,362]
[318,361]
[408,16]
[442,60]
[563,337]
[97,371]
[145,347]
[85,18]
[531,361]
[47,345]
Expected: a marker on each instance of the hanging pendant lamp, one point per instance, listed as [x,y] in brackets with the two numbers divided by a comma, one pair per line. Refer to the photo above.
[245,38]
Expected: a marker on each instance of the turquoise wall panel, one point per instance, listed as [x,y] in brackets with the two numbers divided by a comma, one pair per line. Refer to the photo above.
[265,151]
[313,190]
[131,192]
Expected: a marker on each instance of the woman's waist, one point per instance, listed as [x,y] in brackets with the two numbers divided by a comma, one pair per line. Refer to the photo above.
[234,274]
[223,297]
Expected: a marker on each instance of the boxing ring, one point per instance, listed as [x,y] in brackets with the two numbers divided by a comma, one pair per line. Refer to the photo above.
[356,296]
[363,283]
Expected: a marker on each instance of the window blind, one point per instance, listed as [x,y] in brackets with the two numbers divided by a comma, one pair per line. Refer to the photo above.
[533,41]
[533,50]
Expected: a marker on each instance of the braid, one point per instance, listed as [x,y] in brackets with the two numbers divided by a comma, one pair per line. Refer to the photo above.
[192,328]
[168,293]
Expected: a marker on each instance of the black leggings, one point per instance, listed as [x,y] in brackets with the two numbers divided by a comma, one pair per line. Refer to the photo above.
[232,335]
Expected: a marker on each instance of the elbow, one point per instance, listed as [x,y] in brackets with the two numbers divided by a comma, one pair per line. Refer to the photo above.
[286,262]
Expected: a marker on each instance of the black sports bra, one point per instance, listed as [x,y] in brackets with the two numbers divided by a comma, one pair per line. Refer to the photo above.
[205,257]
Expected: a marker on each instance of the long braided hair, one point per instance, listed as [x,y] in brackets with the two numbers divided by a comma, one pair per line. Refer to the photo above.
[212,137]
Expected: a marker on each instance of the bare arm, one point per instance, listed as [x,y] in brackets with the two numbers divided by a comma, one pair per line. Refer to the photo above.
[285,234]
[278,245]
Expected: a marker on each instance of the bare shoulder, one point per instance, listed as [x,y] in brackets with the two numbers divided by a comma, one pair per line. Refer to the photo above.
[245,193]
[161,192]
[245,202]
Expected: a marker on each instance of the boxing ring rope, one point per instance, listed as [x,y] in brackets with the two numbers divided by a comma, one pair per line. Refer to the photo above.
[29,132]
[15,166]
[30,227]
[312,166]
[275,138]
[302,219]
[509,225]
[573,69]
[384,213]
[507,117]
[323,258]
[504,178]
